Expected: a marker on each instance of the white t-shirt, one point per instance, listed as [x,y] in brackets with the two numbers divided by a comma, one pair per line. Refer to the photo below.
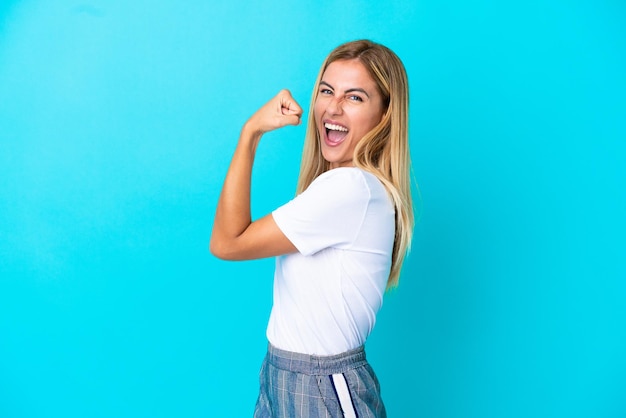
[326,295]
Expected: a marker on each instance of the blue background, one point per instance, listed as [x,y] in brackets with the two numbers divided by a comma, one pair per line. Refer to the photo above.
[117,121]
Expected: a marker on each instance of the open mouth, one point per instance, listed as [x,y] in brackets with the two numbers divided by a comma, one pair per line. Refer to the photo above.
[335,134]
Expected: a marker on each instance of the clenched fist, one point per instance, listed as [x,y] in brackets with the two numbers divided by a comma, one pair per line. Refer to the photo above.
[282,110]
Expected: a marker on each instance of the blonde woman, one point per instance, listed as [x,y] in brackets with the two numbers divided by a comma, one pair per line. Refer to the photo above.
[339,244]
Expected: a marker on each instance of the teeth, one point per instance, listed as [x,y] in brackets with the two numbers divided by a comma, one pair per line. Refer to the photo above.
[334,127]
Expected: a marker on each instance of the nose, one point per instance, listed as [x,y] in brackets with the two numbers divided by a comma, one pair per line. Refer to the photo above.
[335,106]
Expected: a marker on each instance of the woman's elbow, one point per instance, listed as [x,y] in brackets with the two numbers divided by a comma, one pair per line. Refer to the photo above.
[221,250]
[217,249]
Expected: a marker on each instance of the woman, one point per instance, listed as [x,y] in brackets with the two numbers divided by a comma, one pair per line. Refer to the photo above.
[339,243]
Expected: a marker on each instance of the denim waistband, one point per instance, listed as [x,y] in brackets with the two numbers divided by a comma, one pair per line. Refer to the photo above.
[316,365]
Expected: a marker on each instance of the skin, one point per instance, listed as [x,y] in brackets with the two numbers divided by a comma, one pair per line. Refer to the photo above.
[347,97]
[235,236]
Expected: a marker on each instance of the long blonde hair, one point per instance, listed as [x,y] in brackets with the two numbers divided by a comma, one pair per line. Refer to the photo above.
[384,151]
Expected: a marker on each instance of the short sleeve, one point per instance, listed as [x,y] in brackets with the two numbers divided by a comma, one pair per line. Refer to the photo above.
[329,213]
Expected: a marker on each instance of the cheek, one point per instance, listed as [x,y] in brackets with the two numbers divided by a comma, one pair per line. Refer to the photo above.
[376,118]
[369,121]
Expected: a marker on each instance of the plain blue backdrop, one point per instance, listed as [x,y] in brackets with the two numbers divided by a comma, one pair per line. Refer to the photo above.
[117,122]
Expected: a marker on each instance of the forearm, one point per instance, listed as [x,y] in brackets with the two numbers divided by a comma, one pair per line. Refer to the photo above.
[233,213]
[235,236]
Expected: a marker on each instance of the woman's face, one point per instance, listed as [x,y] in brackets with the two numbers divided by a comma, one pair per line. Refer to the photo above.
[348,106]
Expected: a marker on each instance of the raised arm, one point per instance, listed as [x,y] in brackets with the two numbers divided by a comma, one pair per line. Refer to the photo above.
[235,236]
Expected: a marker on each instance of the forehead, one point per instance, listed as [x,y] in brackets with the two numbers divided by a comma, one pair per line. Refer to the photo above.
[348,73]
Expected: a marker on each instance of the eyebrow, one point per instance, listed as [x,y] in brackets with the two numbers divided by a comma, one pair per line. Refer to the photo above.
[347,91]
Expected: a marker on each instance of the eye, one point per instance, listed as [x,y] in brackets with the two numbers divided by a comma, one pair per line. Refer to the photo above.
[355,98]
[326,91]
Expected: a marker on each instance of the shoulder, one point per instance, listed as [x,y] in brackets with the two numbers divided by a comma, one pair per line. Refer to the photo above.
[344,176]
[351,181]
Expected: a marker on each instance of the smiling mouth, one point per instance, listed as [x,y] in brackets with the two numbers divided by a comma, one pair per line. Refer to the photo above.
[335,134]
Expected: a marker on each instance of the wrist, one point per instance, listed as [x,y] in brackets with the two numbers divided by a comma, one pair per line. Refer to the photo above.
[250,136]
[249,129]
